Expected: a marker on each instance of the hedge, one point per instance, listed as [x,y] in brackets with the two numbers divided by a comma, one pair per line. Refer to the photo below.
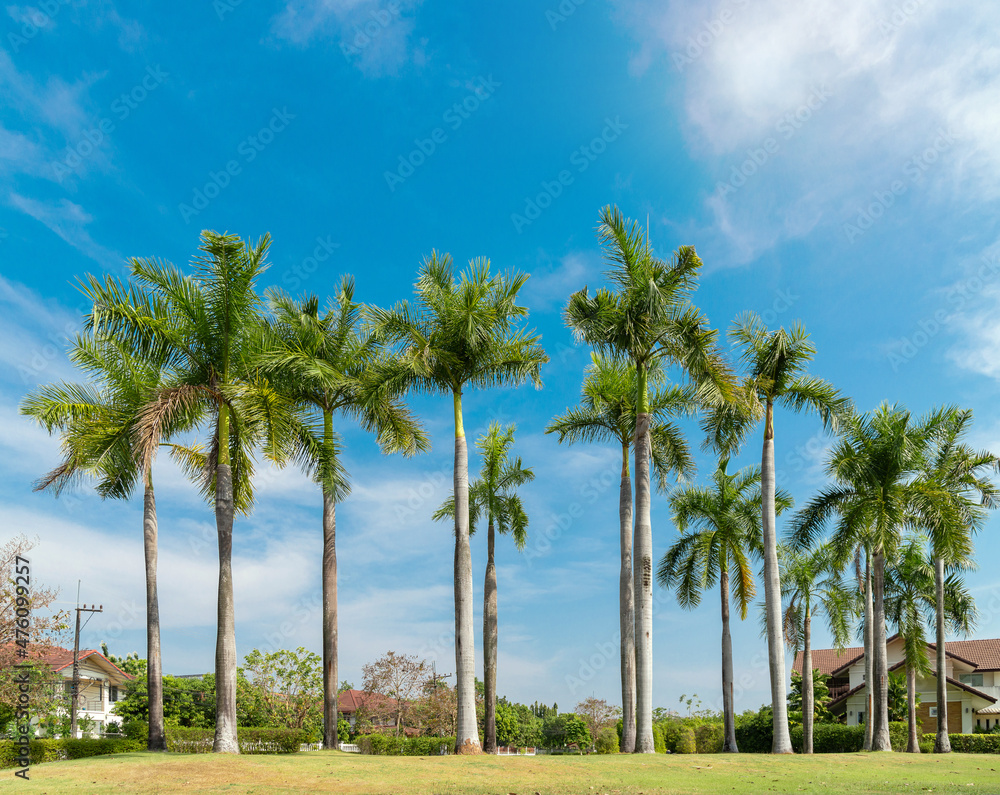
[384,745]
[52,750]
[686,741]
[971,743]
[278,740]
[708,738]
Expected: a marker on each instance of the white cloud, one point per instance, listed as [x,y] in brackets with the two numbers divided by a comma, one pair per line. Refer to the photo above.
[979,352]
[372,35]
[69,221]
[549,288]
[897,75]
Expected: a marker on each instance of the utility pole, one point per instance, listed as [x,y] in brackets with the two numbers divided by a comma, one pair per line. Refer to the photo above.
[75,687]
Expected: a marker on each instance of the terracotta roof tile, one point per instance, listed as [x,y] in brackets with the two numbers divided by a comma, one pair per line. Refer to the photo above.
[828,660]
[985,654]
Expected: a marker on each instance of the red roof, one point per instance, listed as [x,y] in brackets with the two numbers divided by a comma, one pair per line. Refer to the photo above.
[984,655]
[58,658]
[828,660]
[352,700]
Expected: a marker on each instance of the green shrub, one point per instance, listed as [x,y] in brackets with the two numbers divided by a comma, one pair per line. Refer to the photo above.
[52,750]
[708,738]
[685,740]
[972,743]
[755,731]
[926,746]
[607,741]
[136,730]
[899,734]
[385,745]
[669,730]
[831,738]
[658,744]
[277,740]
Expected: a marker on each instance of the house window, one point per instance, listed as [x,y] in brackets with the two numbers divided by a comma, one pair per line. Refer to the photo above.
[975,680]
[112,693]
[933,712]
[861,718]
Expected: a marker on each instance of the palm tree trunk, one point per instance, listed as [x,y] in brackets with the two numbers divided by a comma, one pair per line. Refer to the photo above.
[942,742]
[880,672]
[728,709]
[467,732]
[913,741]
[626,608]
[490,645]
[154,671]
[782,743]
[808,707]
[225,646]
[331,739]
[643,578]
[869,652]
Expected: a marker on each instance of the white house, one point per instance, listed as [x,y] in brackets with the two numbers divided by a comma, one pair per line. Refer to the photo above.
[972,671]
[101,684]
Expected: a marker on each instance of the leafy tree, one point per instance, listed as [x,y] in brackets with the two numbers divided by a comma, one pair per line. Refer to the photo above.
[290,684]
[324,365]
[437,710]
[392,684]
[459,336]
[607,413]
[820,696]
[597,714]
[575,731]
[774,364]
[208,326]
[648,321]
[725,524]
[493,496]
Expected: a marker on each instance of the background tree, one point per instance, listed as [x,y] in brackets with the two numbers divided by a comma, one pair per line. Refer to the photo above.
[398,681]
[208,325]
[725,524]
[324,365]
[646,321]
[774,363]
[811,583]
[597,714]
[820,697]
[290,685]
[459,336]
[493,497]
[607,413]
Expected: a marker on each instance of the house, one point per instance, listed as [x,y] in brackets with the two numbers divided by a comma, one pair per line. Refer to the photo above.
[101,683]
[350,703]
[972,671]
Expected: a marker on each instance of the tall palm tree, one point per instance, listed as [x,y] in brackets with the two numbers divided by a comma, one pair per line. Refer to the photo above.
[607,413]
[811,583]
[208,326]
[775,363]
[98,421]
[955,472]
[726,523]
[648,320]
[459,336]
[323,365]
[875,497]
[911,604]
[494,497]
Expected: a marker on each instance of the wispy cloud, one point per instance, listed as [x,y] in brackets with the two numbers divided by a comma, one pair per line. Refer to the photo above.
[69,221]
[374,35]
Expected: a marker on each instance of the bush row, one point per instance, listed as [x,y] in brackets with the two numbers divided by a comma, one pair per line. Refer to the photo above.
[384,745]
[278,740]
[52,750]
[971,743]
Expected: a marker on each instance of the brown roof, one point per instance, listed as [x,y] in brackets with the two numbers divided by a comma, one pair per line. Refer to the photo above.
[58,658]
[352,700]
[828,660]
[984,654]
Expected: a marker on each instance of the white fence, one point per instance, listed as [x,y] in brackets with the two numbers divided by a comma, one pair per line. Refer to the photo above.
[505,750]
[351,748]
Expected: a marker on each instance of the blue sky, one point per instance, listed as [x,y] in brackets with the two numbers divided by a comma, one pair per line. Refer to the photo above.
[832,162]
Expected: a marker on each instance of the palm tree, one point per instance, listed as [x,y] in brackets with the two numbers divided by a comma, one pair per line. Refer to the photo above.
[811,583]
[954,468]
[775,364]
[208,326]
[98,422]
[875,495]
[607,414]
[911,604]
[323,365]
[460,336]
[647,321]
[726,518]
[493,496]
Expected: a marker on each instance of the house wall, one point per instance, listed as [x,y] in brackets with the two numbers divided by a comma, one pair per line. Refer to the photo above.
[95,686]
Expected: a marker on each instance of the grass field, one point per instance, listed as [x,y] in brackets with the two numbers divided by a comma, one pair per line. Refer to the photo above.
[352,774]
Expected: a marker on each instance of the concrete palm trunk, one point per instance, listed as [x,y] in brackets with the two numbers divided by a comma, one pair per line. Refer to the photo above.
[869,652]
[626,607]
[329,574]
[467,731]
[942,743]
[782,743]
[154,671]
[643,584]
[728,708]
[490,646]
[880,673]
[225,646]
[808,718]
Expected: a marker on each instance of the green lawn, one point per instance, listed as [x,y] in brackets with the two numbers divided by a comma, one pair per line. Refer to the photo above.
[331,771]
